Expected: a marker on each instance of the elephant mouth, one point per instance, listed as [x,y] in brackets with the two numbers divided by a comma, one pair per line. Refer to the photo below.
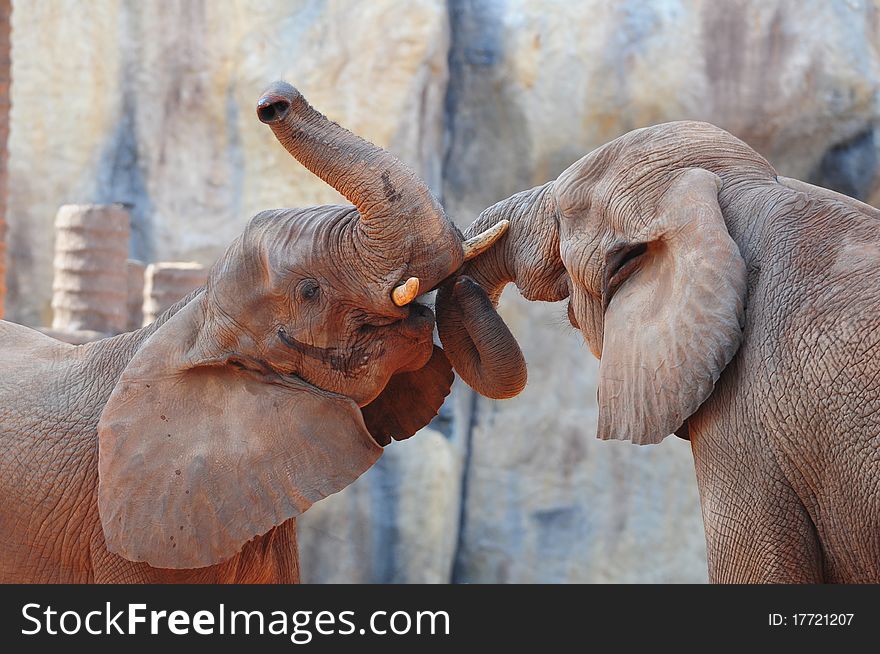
[419,323]
[417,326]
[345,360]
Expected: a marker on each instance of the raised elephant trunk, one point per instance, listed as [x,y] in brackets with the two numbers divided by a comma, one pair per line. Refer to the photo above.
[371,178]
[397,209]
[477,342]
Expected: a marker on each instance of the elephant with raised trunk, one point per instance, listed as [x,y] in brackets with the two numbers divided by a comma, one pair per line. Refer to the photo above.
[727,304]
[185,450]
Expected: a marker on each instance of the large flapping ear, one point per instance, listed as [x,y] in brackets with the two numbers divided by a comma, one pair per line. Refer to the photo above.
[197,457]
[410,400]
[675,320]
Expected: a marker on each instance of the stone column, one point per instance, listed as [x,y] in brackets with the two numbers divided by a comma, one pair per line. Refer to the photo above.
[89,291]
[135,274]
[167,282]
[5,81]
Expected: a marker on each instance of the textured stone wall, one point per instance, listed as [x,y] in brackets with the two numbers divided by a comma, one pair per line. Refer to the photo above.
[537,84]
[5,82]
[151,104]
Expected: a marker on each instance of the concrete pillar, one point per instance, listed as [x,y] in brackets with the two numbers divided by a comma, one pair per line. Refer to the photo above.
[89,290]
[135,275]
[167,282]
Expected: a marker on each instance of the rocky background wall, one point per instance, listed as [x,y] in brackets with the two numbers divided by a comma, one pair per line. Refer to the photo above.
[5,70]
[151,104]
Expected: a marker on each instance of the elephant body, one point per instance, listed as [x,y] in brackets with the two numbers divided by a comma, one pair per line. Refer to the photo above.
[49,471]
[787,447]
[727,304]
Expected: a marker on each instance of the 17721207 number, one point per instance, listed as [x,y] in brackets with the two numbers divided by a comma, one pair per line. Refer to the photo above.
[811,619]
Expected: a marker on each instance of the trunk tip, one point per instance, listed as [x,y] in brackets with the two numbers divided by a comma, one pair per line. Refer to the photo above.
[276,101]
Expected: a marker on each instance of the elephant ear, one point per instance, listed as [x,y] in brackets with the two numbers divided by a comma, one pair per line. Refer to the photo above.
[410,400]
[198,455]
[675,319]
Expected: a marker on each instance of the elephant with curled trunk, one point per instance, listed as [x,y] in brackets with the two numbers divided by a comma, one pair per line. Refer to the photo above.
[184,451]
[727,304]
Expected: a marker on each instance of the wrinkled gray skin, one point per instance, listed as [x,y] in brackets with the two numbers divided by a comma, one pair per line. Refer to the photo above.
[185,450]
[727,304]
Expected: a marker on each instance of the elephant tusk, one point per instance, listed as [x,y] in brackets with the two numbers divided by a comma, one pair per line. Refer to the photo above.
[406,292]
[483,241]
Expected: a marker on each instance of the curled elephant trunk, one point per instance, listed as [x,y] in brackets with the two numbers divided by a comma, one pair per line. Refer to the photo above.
[393,202]
[478,343]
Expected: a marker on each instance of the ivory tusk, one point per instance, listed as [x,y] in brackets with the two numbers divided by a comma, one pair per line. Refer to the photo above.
[483,241]
[406,292]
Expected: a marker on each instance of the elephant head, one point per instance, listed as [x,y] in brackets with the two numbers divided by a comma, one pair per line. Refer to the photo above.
[277,383]
[635,234]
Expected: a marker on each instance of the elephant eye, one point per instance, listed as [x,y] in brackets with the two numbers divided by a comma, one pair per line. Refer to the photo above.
[309,289]
[621,262]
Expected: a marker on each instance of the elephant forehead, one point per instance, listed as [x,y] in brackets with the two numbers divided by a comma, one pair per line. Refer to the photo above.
[606,180]
[287,236]
[282,247]
[638,159]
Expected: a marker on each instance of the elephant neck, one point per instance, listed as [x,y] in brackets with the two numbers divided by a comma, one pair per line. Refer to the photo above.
[122,348]
[747,203]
